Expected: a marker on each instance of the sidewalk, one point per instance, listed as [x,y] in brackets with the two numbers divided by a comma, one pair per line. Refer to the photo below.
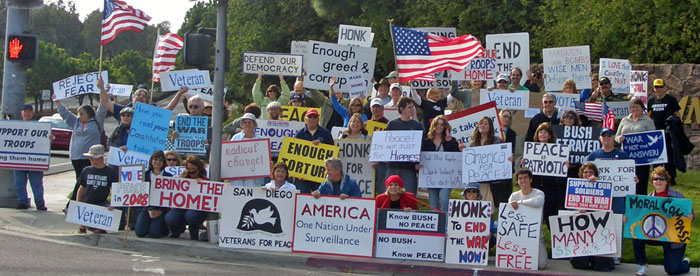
[51,224]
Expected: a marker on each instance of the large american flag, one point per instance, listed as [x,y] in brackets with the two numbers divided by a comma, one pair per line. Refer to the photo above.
[419,54]
[118,17]
[165,54]
[593,111]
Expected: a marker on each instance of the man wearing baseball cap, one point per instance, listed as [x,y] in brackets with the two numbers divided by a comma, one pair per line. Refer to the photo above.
[377,109]
[393,77]
[96,180]
[609,152]
[316,134]
[36,178]
[660,108]
[604,86]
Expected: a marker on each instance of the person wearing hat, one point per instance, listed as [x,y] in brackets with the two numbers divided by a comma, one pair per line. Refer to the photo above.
[234,127]
[272,94]
[249,124]
[604,92]
[139,95]
[659,108]
[502,83]
[472,192]
[394,93]
[377,109]
[396,196]
[393,77]
[315,133]
[296,100]
[95,181]
[36,178]
[609,152]
[274,111]
[121,133]
[382,88]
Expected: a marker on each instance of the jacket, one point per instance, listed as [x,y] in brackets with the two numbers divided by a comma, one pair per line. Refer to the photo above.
[428,145]
[348,186]
[262,101]
[406,200]
[321,133]
[117,139]
[681,146]
[86,136]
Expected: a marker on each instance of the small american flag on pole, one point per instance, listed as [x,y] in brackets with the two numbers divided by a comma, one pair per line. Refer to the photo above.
[608,117]
[419,54]
[593,111]
[165,54]
[118,17]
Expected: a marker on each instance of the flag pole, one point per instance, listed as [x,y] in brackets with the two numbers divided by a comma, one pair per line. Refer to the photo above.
[393,46]
[155,49]
[99,70]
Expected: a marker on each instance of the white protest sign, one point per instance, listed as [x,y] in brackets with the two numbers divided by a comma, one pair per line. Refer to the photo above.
[442,81]
[441,31]
[418,235]
[276,131]
[272,64]
[440,170]
[131,173]
[396,146]
[126,194]
[78,85]
[245,159]
[206,93]
[46,95]
[518,100]
[254,218]
[186,193]
[561,64]
[357,86]
[118,157]
[328,225]
[464,122]
[122,90]
[25,145]
[482,67]
[193,78]
[468,231]
[620,172]
[176,171]
[619,109]
[619,72]
[355,156]
[639,83]
[93,216]
[583,234]
[617,222]
[513,51]
[565,101]
[546,158]
[355,35]
[518,237]
[391,113]
[487,163]
[336,131]
[299,47]
[327,60]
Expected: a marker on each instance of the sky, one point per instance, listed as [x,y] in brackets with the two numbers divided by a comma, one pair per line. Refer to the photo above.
[159,10]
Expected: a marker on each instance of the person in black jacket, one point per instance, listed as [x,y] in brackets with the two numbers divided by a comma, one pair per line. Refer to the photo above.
[439,139]
[549,114]
[501,190]
[121,133]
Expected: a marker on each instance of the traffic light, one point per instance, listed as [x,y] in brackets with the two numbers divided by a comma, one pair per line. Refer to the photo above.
[197,49]
[22,48]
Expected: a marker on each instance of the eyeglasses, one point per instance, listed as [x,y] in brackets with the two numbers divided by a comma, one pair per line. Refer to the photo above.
[312,116]
[171,159]
[125,115]
[194,106]
[659,179]
[502,82]
[606,135]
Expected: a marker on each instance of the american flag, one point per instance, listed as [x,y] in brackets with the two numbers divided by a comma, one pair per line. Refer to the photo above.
[118,17]
[165,53]
[593,111]
[608,117]
[419,54]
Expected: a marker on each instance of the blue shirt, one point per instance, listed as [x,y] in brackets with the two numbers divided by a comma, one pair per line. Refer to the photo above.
[615,154]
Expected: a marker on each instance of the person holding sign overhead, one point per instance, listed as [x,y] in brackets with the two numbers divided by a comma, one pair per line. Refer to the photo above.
[531,197]
[151,220]
[271,94]
[316,134]
[439,139]
[432,105]
[396,196]
[178,218]
[139,95]
[337,183]
[634,123]
[355,106]
[406,170]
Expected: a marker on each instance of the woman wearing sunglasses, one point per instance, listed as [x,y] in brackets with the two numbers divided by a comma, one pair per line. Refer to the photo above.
[178,218]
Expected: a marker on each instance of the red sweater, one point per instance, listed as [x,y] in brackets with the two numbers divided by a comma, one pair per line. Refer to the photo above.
[406,200]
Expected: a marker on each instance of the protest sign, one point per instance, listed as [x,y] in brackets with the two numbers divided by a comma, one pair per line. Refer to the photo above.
[299,47]
[440,170]
[206,93]
[276,130]
[93,216]
[546,158]
[306,160]
[618,71]
[176,171]
[468,231]
[45,95]
[355,156]
[518,237]
[565,101]
[450,32]
[619,109]
[620,172]
[417,235]
[192,134]
[581,141]
[357,86]
[355,35]
[273,64]
[658,218]
[391,113]
[583,234]
[617,222]
[561,64]
[373,126]
[118,157]
[25,145]
[396,146]
[513,51]
[328,225]
[122,90]
[518,100]
[192,78]
[464,122]
[125,194]
[442,81]
[646,148]
[482,67]
[131,173]
[487,163]
[149,128]
[186,193]
[582,194]
[254,218]
[292,113]
[78,85]
[639,83]
[337,131]
[245,159]
[327,60]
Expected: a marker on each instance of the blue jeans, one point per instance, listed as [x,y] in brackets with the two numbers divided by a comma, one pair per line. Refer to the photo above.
[444,198]
[178,218]
[152,227]
[673,258]
[35,180]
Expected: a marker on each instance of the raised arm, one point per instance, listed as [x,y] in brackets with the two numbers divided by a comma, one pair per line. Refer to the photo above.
[257,92]
[104,98]
[286,94]
[173,103]
[338,107]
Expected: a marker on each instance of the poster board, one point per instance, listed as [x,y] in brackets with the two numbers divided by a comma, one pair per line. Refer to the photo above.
[78,85]
[584,195]
[658,218]
[396,146]
[306,160]
[518,237]
[93,216]
[245,159]
[561,64]
[192,134]
[464,122]
[440,170]
[487,163]
[25,145]
[149,128]
[416,235]
[186,193]
[546,159]
[646,148]
[355,156]
[468,231]
[583,234]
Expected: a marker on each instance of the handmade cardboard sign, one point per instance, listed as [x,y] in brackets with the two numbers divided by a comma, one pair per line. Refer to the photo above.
[440,170]
[78,85]
[487,163]
[272,64]
[546,158]
[306,160]
[618,71]
[355,156]
[468,231]
[583,234]
[396,146]
[646,148]
[186,193]
[518,237]
[245,159]
[658,218]
[561,64]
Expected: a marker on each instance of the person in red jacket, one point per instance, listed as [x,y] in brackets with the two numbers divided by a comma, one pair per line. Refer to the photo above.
[395,196]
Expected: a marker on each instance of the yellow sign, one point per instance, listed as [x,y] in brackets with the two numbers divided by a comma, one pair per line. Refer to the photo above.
[306,160]
[291,113]
[694,108]
[373,126]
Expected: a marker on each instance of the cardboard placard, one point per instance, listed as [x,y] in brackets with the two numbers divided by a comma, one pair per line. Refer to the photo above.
[468,231]
[619,109]
[93,216]
[440,170]
[513,51]
[584,195]
[646,148]
[78,85]
[118,157]
[639,83]
[442,81]
[25,145]
[355,35]
[518,237]
[355,156]
[206,92]
[125,194]
[487,163]
[658,218]
[581,141]
[618,71]
[327,60]
[464,122]
[186,193]
[192,78]
[565,101]
[272,64]
[583,234]
[149,128]
[416,235]
[177,170]
[546,158]
[122,90]
[479,68]
[131,173]
[373,126]
[391,113]
[276,130]
[192,131]
[620,172]
[518,100]
[396,146]
[306,160]
[357,85]
[561,64]
[245,159]
[292,113]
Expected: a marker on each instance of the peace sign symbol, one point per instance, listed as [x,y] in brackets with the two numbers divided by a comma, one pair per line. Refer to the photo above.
[654,226]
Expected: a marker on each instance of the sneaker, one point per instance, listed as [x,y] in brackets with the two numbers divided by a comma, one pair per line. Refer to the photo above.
[22,206]
[174,235]
[686,260]
[617,261]
[41,208]
[642,270]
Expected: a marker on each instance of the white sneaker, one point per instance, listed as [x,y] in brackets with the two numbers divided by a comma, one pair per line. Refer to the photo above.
[687,260]
[642,270]
[617,261]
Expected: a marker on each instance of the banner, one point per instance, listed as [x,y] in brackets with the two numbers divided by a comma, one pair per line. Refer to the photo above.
[546,158]
[561,64]
[518,100]
[177,170]
[118,157]
[480,68]
[396,146]
[658,218]
[619,109]
[621,173]
[583,234]
[306,160]
[487,163]
[513,51]
[291,113]
[355,156]
[468,231]
[192,131]
[581,141]
[646,148]
[440,170]
[639,84]
[254,218]
[518,237]
[206,93]
[272,64]
[186,193]
[415,235]
[245,159]
[582,194]
[464,122]
[25,145]
[276,130]
[327,60]
[122,90]
[78,85]
[125,194]
[149,128]
[442,81]
[355,35]
[372,126]
[329,225]
[131,173]
[93,216]
[618,71]
[192,78]
[565,101]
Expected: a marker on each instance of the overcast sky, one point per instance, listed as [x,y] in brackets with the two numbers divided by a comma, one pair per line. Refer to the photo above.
[159,10]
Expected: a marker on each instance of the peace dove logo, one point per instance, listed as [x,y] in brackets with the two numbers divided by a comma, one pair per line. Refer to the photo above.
[260,214]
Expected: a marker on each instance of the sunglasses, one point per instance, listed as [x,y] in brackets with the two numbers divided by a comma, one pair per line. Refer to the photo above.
[194,106]
[312,116]
[171,160]
[502,82]
[659,179]
[548,102]
[606,135]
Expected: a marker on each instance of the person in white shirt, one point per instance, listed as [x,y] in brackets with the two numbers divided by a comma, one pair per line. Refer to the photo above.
[530,197]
